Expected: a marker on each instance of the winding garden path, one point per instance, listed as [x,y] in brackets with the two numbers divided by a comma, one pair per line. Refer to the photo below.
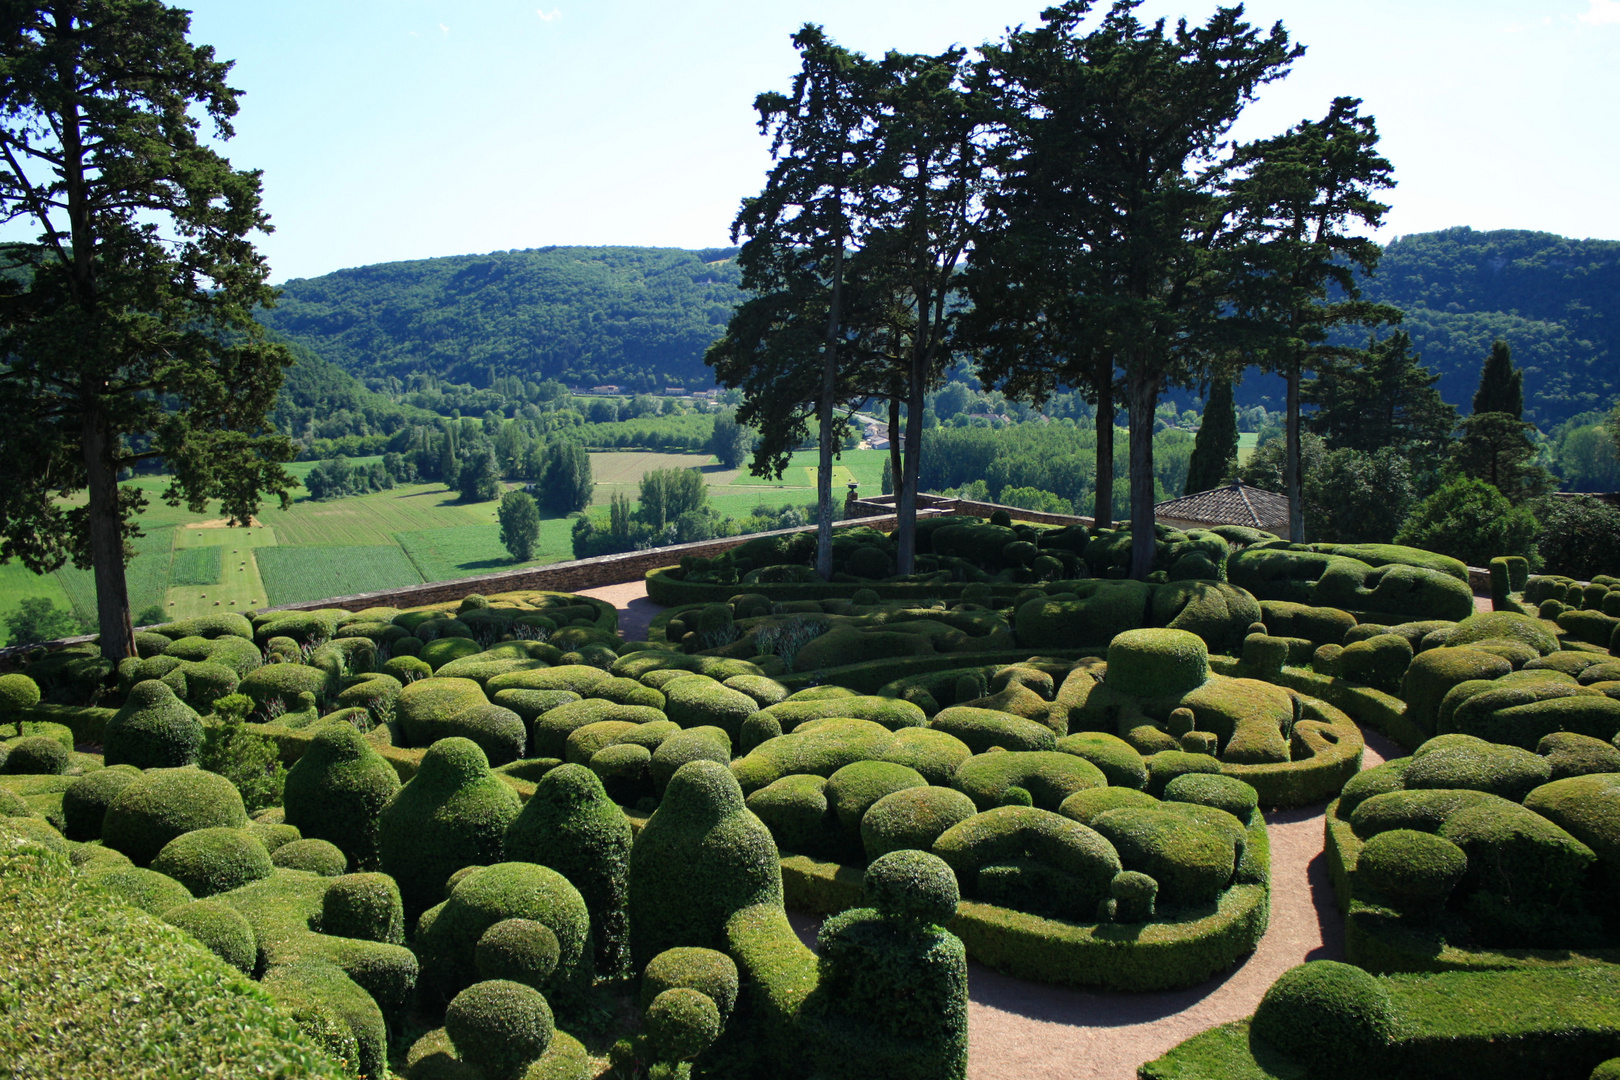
[1020,1030]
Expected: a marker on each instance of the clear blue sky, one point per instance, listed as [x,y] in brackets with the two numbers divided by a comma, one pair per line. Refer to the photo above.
[416,128]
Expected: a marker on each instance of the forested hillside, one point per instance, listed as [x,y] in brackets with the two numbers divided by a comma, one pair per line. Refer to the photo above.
[637,317]
[642,317]
[1555,301]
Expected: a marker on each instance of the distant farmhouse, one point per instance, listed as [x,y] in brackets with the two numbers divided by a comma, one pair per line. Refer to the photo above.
[1237,504]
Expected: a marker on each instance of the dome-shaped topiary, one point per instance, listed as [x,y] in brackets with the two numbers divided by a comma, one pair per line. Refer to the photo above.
[852,789]
[1155,663]
[221,928]
[499,1027]
[37,755]
[1326,1015]
[364,906]
[700,858]
[85,802]
[1212,789]
[216,860]
[682,1023]
[912,818]
[518,950]
[152,892]
[1132,897]
[1411,870]
[18,692]
[705,970]
[571,825]
[166,803]
[154,730]
[336,792]
[318,857]
[453,813]
[913,885]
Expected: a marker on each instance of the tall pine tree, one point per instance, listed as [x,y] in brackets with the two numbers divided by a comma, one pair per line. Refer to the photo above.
[1215,450]
[1386,399]
[1495,444]
[1501,385]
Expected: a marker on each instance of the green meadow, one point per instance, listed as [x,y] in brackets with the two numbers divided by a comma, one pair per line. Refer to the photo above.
[190,563]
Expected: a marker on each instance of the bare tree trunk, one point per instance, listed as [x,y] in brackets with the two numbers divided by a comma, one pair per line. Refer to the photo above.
[1103,513]
[105,525]
[1293,481]
[829,383]
[906,505]
[1142,394]
[897,465]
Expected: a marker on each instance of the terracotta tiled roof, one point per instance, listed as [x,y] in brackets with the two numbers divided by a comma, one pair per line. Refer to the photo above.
[1237,504]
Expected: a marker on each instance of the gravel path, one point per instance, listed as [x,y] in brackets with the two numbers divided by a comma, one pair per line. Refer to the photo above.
[1021,1030]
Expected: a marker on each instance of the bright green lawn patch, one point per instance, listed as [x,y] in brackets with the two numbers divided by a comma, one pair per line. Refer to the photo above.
[235,539]
[296,574]
[370,519]
[17,583]
[865,466]
[302,469]
[197,566]
[446,554]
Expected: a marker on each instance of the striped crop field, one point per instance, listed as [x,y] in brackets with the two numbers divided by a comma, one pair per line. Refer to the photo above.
[201,565]
[368,519]
[623,471]
[446,554]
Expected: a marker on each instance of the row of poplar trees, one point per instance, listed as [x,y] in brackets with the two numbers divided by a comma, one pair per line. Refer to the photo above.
[1067,207]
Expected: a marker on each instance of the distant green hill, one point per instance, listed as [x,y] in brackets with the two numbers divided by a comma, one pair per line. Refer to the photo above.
[641,318]
[638,317]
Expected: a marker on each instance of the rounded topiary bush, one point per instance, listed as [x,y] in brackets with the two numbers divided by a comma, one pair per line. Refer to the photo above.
[1211,789]
[336,792]
[913,885]
[364,906]
[682,1023]
[518,950]
[152,892]
[315,856]
[453,813]
[571,825]
[499,1027]
[166,803]
[853,789]
[1411,870]
[700,858]
[153,730]
[221,928]
[707,971]
[699,701]
[1119,761]
[1046,776]
[37,755]
[1132,897]
[1330,1017]
[17,692]
[215,860]
[85,802]
[1157,663]
[913,818]
[1083,806]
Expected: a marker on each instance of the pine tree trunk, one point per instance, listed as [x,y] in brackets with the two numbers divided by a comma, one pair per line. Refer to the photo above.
[1142,393]
[1103,513]
[1293,482]
[829,383]
[105,526]
[906,505]
[897,477]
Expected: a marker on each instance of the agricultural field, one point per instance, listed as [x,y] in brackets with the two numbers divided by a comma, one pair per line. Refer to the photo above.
[192,564]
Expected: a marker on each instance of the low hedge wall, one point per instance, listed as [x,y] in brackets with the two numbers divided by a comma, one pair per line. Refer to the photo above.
[665,586]
[87,722]
[1384,713]
[1467,1026]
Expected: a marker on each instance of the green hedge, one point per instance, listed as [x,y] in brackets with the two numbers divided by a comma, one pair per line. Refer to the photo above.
[666,586]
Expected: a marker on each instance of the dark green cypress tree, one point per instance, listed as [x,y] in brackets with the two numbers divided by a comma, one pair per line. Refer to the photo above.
[1215,450]
[1501,385]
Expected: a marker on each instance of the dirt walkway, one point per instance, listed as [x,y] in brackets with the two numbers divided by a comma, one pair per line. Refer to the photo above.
[1021,1030]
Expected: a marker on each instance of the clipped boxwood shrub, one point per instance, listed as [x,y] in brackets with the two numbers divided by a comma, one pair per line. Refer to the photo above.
[336,792]
[36,755]
[85,802]
[1328,1016]
[365,906]
[935,754]
[711,973]
[682,1023]
[153,730]
[499,1027]
[1030,860]
[313,856]
[1047,775]
[700,858]
[1157,663]
[1410,870]
[214,860]
[555,725]
[1117,759]
[452,813]
[892,713]
[1221,792]
[219,927]
[17,692]
[1464,762]
[853,789]
[570,825]
[152,892]
[521,950]
[1192,861]
[981,729]
[164,804]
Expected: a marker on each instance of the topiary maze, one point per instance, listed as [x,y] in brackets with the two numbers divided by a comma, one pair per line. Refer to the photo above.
[510,844]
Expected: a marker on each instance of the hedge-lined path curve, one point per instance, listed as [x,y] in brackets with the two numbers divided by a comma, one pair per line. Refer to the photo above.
[1020,1030]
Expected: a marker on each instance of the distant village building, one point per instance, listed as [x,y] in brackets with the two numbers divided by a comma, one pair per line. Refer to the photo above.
[1236,504]
[673,390]
[608,389]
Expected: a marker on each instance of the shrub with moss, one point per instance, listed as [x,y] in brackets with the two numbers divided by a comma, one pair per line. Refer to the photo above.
[452,813]
[1331,1017]
[284,683]
[1193,861]
[701,857]
[1586,807]
[36,755]
[797,811]
[1424,811]
[85,801]
[892,713]
[553,728]
[153,730]
[493,894]
[1099,611]
[853,789]
[313,856]
[214,860]
[336,792]
[1030,860]
[571,825]
[1047,775]
[1464,762]
[1516,853]
[1085,805]
[935,754]
[693,744]
[152,892]
[499,1027]
[164,804]
[17,692]
[699,701]
[1166,765]
[981,729]
[820,748]
[1221,792]
[220,928]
